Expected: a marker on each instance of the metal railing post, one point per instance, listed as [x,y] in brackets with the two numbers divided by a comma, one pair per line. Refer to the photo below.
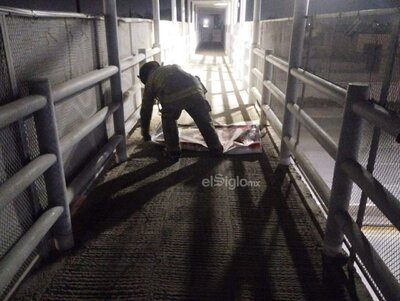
[183,17]
[242,11]
[110,18]
[266,94]
[173,11]
[295,55]
[349,143]
[156,24]
[254,42]
[49,143]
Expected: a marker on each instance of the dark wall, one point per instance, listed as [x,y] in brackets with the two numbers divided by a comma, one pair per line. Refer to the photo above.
[143,8]
[126,8]
[69,5]
[284,8]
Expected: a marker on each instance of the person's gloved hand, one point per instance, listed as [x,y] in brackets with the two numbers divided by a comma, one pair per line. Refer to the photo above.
[146,136]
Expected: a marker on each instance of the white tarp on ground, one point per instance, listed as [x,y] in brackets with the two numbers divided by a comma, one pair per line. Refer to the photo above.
[236,138]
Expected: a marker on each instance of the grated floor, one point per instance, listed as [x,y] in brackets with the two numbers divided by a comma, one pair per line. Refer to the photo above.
[154,231]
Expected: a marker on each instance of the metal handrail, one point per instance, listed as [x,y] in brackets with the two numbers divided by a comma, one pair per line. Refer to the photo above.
[323,138]
[279,95]
[337,93]
[134,20]
[320,186]
[72,138]
[259,52]
[79,183]
[15,258]
[20,108]
[256,94]
[257,73]
[359,13]
[383,118]
[24,177]
[347,169]
[382,198]
[44,14]
[132,60]
[81,83]
[385,280]
[275,122]
[277,62]
[149,52]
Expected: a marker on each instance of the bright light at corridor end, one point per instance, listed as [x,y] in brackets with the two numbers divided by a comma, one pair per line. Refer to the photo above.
[221,4]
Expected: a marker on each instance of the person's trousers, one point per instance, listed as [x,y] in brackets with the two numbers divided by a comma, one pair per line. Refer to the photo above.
[199,109]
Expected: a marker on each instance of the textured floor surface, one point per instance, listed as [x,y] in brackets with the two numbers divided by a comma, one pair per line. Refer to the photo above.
[159,231]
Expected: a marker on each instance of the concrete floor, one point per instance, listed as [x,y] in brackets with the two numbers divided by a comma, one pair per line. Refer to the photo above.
[152,230]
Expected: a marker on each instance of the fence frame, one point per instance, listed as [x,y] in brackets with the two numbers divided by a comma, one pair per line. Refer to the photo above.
[347,170]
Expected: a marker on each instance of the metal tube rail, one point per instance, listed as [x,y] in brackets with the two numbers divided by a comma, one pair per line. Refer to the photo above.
[134,20]
[383,199]
[149,52]
[359,13]
[323,138]
[337,93]
[85,128]
[349,143]
[82,83]
[44,14]
[256,94]
[300,13]
[259,52]
[131,61]
[266,94]
[49,142]
[277,62]
[257,73]
[312,174]
[279,95]
[387,283]
[385,119]
[24,177]
[110,20]
[20,108]
[15,258]
[273,119]
[25,273]
[91,170]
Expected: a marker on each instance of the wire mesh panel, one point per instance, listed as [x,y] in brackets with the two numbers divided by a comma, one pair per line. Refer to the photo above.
[358,48]
[134,34]
[352,48]
[18,215]
[275,36]
[343,48]
[393,98]
[5,86]
[60,49]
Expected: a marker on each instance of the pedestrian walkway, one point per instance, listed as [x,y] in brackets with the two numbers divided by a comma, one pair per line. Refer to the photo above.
[153,230]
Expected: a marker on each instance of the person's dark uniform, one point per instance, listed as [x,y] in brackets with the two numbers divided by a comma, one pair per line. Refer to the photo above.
[176,90]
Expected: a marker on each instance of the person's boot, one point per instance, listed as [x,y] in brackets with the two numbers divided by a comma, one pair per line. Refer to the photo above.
[172,155]
[217,151]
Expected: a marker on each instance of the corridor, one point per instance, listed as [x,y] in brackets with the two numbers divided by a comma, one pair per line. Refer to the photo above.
[151,231]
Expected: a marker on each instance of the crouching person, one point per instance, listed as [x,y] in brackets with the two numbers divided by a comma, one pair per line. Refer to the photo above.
[175,90]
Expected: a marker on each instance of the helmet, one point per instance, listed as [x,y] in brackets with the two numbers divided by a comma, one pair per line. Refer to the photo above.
[147,69]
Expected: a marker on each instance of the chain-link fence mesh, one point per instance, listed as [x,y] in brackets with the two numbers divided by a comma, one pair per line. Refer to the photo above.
[275,36]
[345,48]
[5,86]
[63,49]
[57,48]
